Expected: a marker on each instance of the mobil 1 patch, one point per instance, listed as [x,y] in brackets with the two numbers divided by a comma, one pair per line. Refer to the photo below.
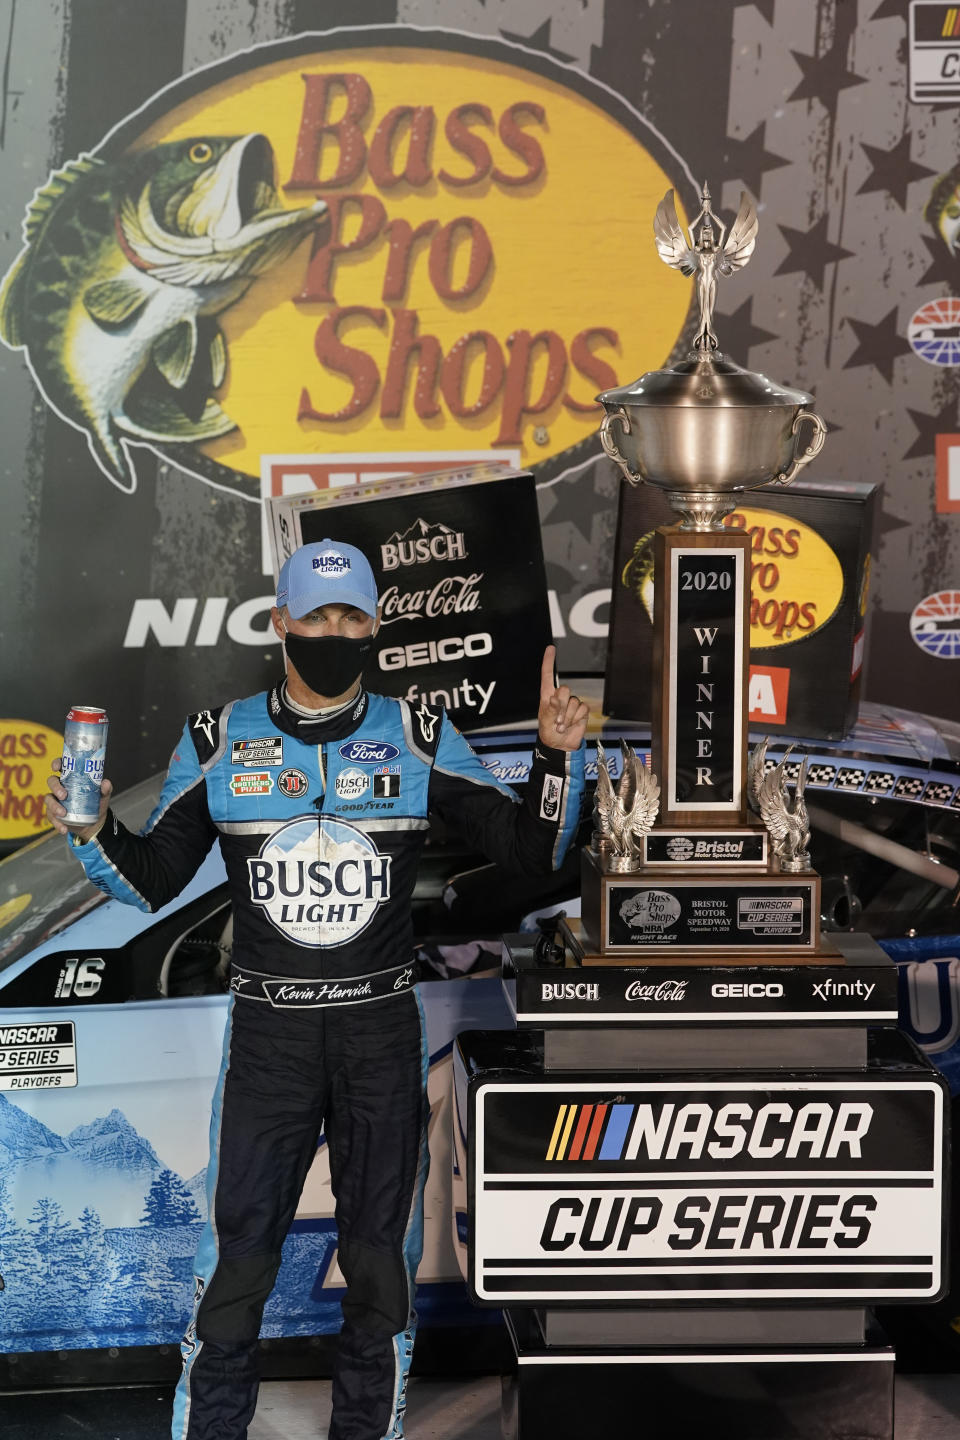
[38,1056]
[262,750]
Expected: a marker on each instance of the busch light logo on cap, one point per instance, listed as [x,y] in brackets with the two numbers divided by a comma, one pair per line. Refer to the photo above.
[331,563]
[319,882]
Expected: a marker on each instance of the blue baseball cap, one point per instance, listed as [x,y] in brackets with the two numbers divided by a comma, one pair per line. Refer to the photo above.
[326,572]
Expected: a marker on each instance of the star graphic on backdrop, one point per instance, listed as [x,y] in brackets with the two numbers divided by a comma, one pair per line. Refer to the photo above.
[764,6]
[887,523]
[738,332]
[890,10]
[810,251]
[824,76]
[893,170]
[942,269]
[748,160]
[539,40]
[929,427]
[878,345]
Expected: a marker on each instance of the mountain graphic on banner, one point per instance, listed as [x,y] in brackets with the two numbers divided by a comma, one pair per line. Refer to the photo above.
[23,1138]
[112,1140]
[106,1164]
[420,529]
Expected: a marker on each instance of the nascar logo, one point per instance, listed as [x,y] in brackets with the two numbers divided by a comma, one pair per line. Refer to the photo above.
[669,1131]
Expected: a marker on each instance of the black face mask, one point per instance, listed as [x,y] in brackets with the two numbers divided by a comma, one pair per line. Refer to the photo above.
[328,664]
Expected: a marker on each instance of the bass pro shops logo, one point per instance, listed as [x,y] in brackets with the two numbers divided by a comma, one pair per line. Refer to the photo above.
[319,882]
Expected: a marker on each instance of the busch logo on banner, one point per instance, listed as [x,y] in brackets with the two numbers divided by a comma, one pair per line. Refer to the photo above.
[320,882]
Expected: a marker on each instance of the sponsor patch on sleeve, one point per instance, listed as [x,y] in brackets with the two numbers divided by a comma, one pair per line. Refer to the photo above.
[550,797]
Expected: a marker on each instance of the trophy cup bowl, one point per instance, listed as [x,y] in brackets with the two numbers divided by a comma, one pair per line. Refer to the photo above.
[705,430]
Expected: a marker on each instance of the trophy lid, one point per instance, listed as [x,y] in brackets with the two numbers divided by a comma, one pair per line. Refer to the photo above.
[705,380]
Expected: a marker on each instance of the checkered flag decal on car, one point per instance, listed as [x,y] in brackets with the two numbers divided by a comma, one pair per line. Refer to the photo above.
[821,774]
[909,786]
[880,782]
[938,793]
[850,778]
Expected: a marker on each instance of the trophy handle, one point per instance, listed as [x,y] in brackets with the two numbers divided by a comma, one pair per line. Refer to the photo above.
[611,418]
[810,453]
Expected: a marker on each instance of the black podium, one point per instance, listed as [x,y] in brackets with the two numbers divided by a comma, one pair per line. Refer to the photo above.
[687,1185]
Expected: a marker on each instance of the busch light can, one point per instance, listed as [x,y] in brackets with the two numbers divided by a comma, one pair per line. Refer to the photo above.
[81,767]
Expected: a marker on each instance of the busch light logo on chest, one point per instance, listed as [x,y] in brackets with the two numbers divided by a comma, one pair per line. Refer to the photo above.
[319,882]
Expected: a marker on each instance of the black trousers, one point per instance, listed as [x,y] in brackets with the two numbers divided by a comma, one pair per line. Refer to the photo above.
[358,1071]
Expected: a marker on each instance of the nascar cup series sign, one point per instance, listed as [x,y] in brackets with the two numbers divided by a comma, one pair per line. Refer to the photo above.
[714,1191]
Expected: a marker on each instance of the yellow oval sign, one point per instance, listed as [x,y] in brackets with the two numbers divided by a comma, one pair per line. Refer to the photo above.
[796,581]
[26,750]
[485,266]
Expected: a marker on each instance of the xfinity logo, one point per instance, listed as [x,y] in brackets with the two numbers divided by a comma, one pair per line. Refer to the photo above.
[570,991]
[742,991]
[834,989]
[673,990]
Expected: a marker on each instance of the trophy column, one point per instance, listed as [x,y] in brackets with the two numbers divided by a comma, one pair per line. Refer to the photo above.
[700,670]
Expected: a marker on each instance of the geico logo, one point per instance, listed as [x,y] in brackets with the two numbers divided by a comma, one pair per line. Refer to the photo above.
[755,991]
[570,991]
[430,652]
[351,879]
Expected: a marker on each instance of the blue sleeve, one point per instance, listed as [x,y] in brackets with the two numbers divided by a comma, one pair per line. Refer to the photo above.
[530,836]
[148,870]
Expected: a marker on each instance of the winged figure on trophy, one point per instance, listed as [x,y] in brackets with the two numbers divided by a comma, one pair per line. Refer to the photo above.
[624,813]
[707,254]
[788,825]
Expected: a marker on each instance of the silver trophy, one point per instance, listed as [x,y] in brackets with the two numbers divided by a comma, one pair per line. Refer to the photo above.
[706,429]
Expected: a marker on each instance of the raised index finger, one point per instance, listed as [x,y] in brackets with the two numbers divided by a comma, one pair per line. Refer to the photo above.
[547,685]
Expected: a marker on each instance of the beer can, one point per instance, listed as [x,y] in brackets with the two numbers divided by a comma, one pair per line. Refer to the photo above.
[81,766]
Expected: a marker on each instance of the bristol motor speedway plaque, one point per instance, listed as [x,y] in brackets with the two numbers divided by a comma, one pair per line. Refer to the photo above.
[665,1191]
[626,914]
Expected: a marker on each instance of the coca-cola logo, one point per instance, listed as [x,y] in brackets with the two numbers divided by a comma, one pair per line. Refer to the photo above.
[368,752]
[453,595]
[672,990]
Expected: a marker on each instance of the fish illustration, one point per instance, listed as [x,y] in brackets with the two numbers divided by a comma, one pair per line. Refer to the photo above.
[124,266]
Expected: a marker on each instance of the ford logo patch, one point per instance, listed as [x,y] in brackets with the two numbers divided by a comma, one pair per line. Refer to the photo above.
[368,752]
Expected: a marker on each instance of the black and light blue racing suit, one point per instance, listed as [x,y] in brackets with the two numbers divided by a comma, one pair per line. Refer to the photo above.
[320,824]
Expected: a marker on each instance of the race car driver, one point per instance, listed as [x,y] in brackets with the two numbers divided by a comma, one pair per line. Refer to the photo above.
[319,793]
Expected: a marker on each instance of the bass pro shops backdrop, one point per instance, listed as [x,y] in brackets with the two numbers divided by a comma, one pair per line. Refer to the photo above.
[264,249]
